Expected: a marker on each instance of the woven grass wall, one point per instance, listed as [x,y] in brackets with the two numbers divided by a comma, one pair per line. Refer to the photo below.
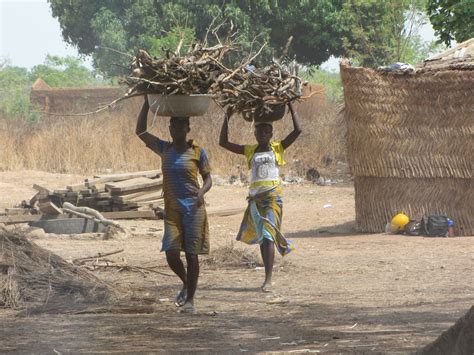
[410,144]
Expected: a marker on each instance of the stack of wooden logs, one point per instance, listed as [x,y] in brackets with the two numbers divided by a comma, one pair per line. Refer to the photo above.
[118,196]
[128,195]
[108,193]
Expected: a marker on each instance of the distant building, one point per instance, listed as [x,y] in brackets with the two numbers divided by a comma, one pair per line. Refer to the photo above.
[71,100]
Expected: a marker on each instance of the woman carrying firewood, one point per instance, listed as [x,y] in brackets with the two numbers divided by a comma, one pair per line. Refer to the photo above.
[262,219]
[186,226]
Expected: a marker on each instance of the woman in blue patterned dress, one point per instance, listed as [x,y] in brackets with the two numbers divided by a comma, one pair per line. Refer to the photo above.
[186,226]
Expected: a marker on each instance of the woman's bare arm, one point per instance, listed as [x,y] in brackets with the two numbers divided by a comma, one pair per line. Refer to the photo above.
[142,123]
[296,128]
[224,136]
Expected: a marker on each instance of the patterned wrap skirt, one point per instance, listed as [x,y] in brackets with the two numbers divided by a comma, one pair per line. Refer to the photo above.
[186,228]
[262,219]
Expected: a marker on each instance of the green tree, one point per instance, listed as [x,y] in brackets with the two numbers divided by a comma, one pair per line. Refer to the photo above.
[330,79]
[12,77]
[378,33]
[452,19]
[417,50]
[373,32]
[128,25]
[15,83]
[160,45]
[112,48]
[63,72]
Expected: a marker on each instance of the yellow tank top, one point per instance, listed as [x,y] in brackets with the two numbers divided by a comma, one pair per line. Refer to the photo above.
[262,183]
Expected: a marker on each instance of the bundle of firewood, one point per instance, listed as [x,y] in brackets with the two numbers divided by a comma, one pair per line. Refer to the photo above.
[244,88]
[193,73]
[260,90]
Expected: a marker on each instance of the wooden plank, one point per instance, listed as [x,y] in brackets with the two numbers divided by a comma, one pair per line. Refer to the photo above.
[49,208]
[15,211]
[99,187]
[149,214]
[28,218]
[101,195]
[76,187]
[96,199]
[130,215]
[135,182]
[145,190]
[35,199]
[152,203]
[223,212]
[100,182]
[43,192]
[128,197]
[60,192]
[121,177]
[138,197]
[148,196]
[41,189]
[19,219]
[145,173]
[133,185]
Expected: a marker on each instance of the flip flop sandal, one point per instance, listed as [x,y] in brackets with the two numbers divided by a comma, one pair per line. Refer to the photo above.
[181,298]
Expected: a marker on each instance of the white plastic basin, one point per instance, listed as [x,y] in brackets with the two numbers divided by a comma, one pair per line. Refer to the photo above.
[179,105]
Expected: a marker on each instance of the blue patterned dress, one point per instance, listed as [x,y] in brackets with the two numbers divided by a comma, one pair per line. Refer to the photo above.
[186,225]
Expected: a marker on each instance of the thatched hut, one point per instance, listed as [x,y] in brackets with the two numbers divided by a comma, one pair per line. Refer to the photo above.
[410,140]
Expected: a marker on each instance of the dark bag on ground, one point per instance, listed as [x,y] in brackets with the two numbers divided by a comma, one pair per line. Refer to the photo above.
[435,226]
[414,228]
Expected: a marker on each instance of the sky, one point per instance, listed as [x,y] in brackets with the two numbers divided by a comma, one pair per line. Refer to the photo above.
[28,32]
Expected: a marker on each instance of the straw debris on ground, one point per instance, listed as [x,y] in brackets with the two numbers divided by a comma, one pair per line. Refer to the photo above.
[229,255]
[32,277]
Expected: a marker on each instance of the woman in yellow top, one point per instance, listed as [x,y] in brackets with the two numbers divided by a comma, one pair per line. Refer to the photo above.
[262,219]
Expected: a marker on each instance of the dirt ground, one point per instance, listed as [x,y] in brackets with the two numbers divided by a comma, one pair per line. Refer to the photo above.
[338,292]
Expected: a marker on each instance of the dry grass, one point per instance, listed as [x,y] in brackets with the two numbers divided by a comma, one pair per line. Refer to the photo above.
[107,142]
[230,255]
[30,276]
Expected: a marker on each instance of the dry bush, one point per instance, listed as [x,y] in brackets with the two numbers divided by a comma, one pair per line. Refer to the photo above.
[31,276]
[230,255]
[107,142]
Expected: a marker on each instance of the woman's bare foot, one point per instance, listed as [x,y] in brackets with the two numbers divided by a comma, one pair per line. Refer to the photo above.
[188,307]
[267,287]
